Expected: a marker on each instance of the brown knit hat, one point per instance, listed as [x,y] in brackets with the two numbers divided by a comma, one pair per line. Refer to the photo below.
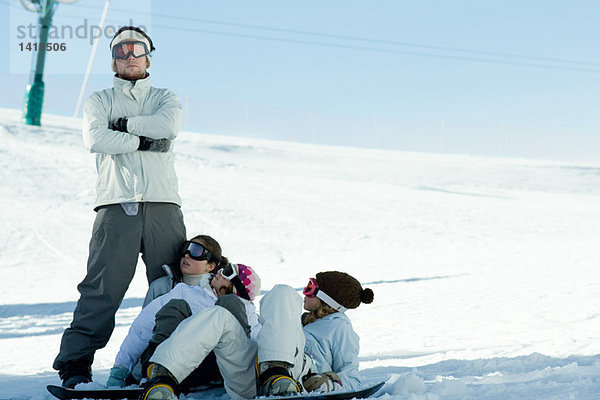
[343,288]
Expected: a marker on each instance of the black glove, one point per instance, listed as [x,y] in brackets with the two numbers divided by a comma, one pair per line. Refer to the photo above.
[158,145]
[120,124]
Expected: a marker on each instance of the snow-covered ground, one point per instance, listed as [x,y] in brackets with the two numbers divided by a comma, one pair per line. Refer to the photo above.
[486,271]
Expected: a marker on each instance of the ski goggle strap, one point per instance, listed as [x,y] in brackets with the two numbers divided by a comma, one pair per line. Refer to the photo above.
[196,251]
[136,48]
[312,289]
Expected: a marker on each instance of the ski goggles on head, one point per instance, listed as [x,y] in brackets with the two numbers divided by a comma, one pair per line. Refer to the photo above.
[229,272]
[135,48]
[312,290]
[196,251]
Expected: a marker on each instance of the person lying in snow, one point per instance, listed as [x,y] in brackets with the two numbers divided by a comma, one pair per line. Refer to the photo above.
[294,352]
[231,288]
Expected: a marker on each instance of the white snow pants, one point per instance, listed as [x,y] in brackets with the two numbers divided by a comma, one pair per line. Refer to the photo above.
[281,337]
[213,328]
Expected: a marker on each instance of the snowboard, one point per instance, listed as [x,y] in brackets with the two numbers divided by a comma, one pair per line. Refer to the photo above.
[116,393]
[134,393]
[355,394]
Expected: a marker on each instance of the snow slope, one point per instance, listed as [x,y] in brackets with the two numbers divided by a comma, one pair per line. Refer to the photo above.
[485,270]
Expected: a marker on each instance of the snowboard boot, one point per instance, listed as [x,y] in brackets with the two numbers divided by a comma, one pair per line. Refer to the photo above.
[161,386]
[159,391]
[275,380]
[76,372]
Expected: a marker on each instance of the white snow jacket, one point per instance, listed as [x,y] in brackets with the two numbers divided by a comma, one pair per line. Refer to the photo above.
[126,175]
[198,297]
[333,345]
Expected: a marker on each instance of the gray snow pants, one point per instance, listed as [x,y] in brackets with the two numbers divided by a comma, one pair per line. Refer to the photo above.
[157,231]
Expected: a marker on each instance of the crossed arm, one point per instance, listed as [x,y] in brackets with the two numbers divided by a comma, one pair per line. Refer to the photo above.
[162,126]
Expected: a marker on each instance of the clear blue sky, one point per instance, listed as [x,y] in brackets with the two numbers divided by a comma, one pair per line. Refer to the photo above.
[348,69]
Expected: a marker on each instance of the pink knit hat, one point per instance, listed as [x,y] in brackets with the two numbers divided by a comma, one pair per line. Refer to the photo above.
[250,282]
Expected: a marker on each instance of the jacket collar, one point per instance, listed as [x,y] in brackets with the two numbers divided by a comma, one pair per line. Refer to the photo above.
[133,89]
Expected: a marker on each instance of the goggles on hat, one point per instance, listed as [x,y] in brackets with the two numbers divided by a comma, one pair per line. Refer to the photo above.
[312,290]
[196,251]
[135,48]
[228,272]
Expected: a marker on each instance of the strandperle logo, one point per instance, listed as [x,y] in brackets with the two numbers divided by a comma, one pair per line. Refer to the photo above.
[64,32]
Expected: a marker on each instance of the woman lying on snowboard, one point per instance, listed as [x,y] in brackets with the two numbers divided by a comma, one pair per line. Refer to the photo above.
[294,352]
[162,315]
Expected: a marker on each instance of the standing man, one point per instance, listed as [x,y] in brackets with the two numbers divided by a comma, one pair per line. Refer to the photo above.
[130,128]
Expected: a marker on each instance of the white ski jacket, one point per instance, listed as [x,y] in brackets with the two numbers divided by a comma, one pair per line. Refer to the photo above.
[333,345]
[126,175]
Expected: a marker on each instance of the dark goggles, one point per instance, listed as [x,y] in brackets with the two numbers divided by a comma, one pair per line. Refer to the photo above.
[135,48]
[196,251]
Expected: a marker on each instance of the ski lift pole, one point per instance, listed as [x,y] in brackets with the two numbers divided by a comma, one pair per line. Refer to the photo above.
[91,60]
[34,93]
